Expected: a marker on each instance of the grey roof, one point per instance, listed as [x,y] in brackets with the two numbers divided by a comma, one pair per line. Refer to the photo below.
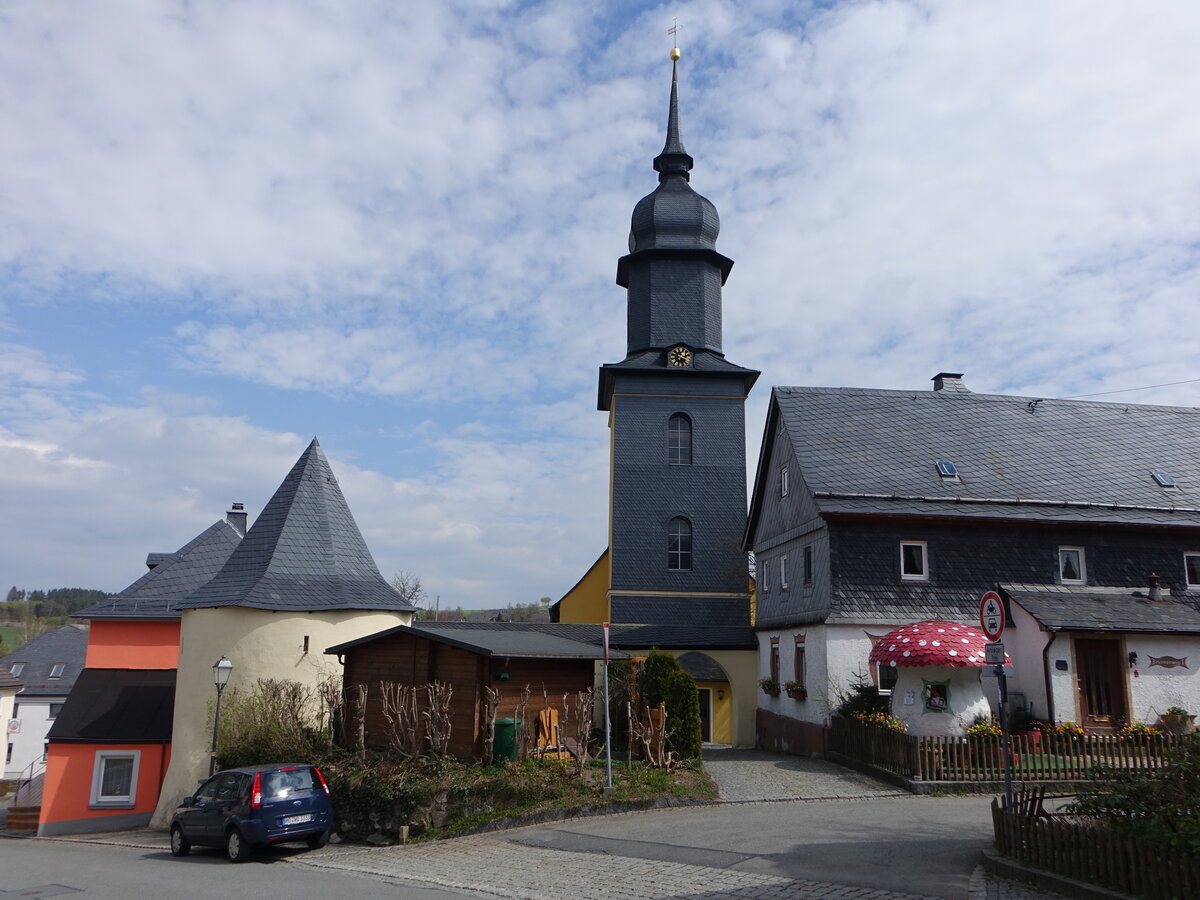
[67,645]
[304,552]
[507,639]
[156,594]
[1062,608]
[874,451]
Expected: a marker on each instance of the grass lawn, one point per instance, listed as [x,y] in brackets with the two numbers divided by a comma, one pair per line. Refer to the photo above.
[11,637]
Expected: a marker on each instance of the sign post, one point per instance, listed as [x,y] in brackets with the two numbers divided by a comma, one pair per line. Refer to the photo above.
[991,618]
[607,717]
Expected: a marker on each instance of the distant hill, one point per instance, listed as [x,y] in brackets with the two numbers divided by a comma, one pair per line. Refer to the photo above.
[48,603]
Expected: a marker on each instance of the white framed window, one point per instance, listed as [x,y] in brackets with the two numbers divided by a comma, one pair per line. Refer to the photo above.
[766,576]
[1191,565]
[783,482]
[1072,568]
[114,778]
[914,562]
[56,671]
[783,572]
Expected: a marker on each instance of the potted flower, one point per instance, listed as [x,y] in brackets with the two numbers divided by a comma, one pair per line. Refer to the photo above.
[1022,723]
[1139,731]
[769,686]
[882,720]
[796,690]
[1177,720]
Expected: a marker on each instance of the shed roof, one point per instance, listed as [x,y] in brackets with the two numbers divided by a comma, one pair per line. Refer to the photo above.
[118,706]
[1065,608]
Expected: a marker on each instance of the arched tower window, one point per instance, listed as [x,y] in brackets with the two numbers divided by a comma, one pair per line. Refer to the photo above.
[679,440]
[679,545]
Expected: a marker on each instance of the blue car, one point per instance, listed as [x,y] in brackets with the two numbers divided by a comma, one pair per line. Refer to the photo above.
[240,809]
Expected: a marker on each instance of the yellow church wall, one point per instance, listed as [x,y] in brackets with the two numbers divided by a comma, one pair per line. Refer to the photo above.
[260,644]
[741,667]
[722,710]
[587,602]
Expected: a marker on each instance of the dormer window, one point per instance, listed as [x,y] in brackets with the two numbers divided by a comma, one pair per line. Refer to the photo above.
[1071,565]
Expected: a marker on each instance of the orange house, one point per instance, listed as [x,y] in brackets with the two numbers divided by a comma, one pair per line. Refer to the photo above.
[110,746]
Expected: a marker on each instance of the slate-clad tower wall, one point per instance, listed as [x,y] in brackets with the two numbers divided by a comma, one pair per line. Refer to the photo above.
[675,372]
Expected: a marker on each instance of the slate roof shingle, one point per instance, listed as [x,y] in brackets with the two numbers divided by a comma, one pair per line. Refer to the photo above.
[1063,608]
[303,553]
[66,645]
[156,595]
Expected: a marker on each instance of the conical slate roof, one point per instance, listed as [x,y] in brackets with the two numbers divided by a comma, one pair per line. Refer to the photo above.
[304,553]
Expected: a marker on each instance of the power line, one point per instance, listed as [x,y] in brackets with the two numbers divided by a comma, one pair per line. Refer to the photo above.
[1128,390]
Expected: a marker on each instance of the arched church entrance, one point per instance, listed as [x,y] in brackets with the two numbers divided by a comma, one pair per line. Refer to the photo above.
[715,694]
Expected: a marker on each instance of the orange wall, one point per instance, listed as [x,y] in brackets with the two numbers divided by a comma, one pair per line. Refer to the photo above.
[68,784]
[133,645]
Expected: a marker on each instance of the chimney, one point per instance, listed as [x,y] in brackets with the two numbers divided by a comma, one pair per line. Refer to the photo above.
[1155,593]
[237,518]
[950,382]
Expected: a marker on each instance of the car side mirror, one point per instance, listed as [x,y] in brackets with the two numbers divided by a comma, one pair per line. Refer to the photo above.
[188,801]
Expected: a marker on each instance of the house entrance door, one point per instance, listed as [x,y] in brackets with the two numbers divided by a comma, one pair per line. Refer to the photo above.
[705,713]
[1101,683]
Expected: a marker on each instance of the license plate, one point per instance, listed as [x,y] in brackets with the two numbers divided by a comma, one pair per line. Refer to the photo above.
[297,820]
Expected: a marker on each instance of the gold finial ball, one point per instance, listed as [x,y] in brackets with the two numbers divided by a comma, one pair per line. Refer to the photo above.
[675,54]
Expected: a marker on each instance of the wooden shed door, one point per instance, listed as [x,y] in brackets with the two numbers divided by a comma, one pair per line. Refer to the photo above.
[1101,680]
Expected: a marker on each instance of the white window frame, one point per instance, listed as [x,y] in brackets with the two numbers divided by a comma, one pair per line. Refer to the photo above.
[766,576]
[109,802]
[16,669]
[1187,575]
[783,482]
[924,575]
[56,671]
[1082,579]
[783,572]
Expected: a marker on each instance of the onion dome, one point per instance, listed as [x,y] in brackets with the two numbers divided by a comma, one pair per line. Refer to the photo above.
[674,217]
[931,643]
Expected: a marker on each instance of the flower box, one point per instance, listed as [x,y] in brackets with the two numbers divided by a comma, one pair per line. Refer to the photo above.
[798,693]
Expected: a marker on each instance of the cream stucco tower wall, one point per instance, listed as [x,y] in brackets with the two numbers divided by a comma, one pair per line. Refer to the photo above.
[260,644]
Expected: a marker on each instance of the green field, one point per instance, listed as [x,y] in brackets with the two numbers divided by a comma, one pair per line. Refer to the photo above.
[10,637]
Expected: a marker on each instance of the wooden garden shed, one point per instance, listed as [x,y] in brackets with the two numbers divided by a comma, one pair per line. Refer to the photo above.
[503,655]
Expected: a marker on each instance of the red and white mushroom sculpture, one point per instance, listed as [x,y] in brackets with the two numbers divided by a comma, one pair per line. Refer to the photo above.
[931,643]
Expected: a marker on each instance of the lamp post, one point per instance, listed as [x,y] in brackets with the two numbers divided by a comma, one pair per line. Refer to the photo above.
[221,669]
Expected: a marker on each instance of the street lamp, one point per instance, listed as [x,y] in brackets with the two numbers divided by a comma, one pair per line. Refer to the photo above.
[221,669]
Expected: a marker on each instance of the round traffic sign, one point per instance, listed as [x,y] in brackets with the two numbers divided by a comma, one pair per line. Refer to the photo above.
[991,615]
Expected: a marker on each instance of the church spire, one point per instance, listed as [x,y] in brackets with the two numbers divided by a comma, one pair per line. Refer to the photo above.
[673,160]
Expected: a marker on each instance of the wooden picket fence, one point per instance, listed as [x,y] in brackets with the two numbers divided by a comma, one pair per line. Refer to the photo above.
[1090,852]
[1043,757]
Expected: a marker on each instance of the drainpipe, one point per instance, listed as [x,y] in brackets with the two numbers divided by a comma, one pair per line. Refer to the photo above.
[1049,685]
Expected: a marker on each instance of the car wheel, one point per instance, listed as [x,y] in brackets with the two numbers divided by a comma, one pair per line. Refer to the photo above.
[318,840]
[180,846]
[236,847]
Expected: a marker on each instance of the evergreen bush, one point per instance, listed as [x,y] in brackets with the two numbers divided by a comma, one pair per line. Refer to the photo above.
[662,679]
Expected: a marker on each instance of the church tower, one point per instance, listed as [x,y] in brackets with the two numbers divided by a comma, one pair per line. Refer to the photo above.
[676,416]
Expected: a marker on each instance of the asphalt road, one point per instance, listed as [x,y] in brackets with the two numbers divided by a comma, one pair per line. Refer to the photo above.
[104,872]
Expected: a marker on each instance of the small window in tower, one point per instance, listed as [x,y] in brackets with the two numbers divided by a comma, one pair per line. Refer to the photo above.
[679,545]
[679,440]
[1165,480]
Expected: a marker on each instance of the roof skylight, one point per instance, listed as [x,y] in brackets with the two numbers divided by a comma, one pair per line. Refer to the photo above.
[946,469]
[1164,480]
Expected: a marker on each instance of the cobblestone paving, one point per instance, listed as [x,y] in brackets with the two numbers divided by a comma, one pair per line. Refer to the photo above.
[750,775]
[986,886]
[500,868]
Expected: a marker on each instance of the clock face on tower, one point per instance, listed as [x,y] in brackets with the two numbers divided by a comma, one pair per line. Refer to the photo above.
[680,357]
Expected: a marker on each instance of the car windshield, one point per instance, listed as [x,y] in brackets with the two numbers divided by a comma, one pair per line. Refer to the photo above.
[285,782]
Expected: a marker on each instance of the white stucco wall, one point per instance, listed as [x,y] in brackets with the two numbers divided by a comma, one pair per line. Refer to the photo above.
[1024,642]
[816,708]
[1155,688]
[260,644]
[967,700]
[30,742]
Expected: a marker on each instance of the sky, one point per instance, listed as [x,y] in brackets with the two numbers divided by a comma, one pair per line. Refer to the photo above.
[229,227]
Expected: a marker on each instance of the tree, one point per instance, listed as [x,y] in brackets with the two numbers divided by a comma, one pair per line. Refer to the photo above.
[408,583]
[662,679]
[14,594]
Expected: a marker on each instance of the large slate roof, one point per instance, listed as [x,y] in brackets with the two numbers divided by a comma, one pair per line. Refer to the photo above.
[303,553]
[1066,608]
[116,706]
[67,645]
[874,451]
[156,595]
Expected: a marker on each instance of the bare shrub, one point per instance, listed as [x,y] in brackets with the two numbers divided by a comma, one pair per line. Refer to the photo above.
[272,720]
[399,706]
[437,718]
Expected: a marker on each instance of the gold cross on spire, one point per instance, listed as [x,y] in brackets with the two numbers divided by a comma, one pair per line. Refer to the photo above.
[674,32]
